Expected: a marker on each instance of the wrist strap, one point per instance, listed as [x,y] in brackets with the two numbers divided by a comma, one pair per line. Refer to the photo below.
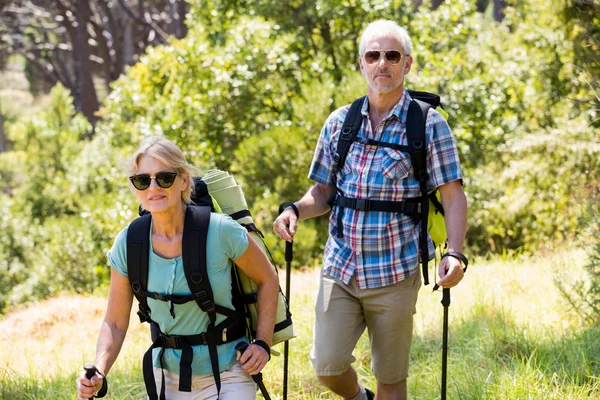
[104,388]
[264,345]
[285,205]
[459,256]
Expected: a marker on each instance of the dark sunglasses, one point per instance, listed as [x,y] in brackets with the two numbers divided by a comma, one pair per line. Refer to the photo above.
[163,179]
[393,56]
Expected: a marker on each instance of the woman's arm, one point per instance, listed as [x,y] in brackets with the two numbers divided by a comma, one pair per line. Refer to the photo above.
[112,333]
[257,266]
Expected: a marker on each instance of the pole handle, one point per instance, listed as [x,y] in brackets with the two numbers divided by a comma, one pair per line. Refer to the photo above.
[90,370]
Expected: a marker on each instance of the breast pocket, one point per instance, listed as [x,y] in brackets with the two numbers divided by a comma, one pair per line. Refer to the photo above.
[395,164]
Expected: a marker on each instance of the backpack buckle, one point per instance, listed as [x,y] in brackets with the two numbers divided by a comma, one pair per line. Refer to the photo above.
[171,342]
[201,295]
[208,306]
[363,204]
[144,317]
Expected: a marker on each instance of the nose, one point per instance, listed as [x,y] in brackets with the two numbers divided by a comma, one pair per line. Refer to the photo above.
[153,184]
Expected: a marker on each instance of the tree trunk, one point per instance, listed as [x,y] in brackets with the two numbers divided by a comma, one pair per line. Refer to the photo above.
[417,3]
[436,3]
[88,100]
[499,6]
[178,13]
[482,5]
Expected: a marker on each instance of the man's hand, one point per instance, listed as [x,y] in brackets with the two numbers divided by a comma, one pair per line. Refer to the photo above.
[451,272]
[285,225]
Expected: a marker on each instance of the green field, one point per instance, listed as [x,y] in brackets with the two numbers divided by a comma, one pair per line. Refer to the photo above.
[512,336]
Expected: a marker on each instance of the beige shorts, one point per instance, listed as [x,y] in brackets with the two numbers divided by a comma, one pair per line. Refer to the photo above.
[344,311]
[236,384]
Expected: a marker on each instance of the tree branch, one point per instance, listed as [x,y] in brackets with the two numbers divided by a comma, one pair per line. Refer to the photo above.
[161,34]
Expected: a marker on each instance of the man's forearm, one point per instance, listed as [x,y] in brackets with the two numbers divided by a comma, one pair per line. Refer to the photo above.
[314,202]
[455,211]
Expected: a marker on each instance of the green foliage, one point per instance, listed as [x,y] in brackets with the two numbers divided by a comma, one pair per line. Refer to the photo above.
[583,293]
[48,243]
[208,98]
[248,90]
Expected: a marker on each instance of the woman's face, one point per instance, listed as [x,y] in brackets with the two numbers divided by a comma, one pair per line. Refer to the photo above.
[156,198]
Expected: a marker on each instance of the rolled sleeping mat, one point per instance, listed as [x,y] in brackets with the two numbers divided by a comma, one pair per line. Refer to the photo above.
[230,198]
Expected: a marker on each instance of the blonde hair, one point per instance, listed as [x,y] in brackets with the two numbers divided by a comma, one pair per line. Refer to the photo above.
[169,154]
[385,27]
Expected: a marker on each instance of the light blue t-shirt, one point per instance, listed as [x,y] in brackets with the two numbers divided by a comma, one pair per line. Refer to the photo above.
[226,241]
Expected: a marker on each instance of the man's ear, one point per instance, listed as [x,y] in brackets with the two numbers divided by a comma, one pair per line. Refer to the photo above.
[360,64]
[408,64]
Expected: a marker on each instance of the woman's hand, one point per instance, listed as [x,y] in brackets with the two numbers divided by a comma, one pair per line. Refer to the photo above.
[87,388]
[253,359]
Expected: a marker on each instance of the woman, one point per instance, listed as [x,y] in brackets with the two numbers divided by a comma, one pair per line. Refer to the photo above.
[161,181]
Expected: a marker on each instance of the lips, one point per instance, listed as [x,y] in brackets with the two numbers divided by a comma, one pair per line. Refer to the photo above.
[154,198]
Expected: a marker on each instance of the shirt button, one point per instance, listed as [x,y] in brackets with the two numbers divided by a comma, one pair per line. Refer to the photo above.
[358,253]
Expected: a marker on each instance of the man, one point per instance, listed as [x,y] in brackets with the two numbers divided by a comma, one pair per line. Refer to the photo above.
[370,275]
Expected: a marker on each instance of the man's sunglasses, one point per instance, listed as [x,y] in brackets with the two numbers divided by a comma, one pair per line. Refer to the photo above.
[163,179]
[393,56]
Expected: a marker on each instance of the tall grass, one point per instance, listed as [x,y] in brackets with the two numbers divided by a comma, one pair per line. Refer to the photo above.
[511,337]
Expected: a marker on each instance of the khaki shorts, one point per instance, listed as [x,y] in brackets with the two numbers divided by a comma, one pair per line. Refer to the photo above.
[344,311]
[236,384]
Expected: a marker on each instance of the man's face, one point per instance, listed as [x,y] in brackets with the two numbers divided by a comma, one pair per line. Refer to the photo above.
[382,75]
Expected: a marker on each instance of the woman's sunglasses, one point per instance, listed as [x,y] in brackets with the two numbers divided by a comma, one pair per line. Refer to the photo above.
[163,179]
[393,56]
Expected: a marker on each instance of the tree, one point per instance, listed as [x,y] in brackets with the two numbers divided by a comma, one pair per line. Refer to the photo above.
[75,41]
[499,6]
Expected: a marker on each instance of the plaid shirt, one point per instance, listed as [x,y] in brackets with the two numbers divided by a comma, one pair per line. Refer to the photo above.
[381,248]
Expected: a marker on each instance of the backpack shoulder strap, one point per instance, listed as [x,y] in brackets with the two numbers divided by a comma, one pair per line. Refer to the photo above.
[417,142]
[138,249]
[195,234]
[350,129]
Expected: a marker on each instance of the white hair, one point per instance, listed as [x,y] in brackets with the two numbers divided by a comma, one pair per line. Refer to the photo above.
[385,27]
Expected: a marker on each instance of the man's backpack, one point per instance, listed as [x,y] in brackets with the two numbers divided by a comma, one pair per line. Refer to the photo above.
[240,322]
[426,210]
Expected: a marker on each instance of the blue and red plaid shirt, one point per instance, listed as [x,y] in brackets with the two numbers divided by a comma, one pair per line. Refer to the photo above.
[380,248]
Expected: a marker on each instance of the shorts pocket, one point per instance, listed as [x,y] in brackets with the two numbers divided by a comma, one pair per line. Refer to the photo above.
[395,164]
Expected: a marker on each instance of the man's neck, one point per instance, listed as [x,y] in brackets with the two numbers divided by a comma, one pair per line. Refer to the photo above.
[382,103]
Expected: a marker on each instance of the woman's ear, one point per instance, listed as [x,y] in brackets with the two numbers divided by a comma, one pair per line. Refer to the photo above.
[185,181]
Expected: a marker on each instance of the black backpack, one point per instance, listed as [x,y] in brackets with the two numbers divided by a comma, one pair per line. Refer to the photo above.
[418,208]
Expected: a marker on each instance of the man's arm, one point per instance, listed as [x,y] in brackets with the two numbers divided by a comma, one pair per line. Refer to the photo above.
[312,204]
[455,217]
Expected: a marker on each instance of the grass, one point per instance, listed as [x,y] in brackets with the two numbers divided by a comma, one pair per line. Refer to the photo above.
[511,337]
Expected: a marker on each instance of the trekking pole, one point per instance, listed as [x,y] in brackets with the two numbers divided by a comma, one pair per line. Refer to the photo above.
[289,252]
[289,255]
[446,304]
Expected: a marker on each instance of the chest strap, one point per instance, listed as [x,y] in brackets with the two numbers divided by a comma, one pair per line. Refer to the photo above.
[410,207]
